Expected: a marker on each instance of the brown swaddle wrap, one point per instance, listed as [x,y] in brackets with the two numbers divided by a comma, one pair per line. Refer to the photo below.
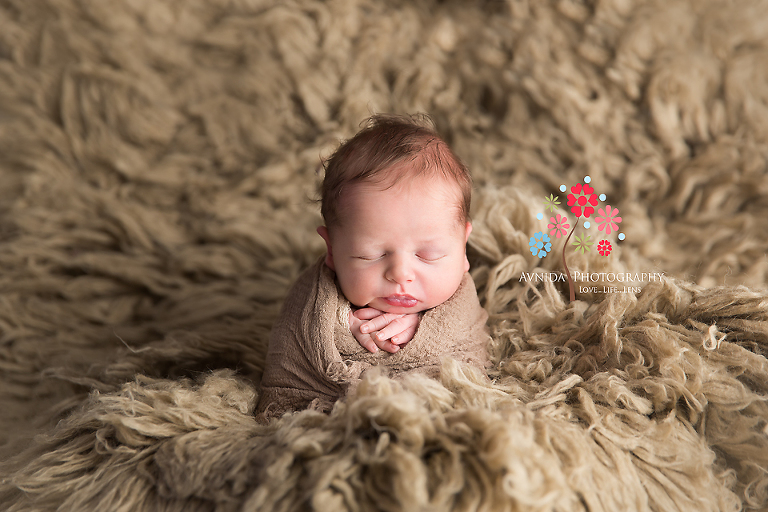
[313,357]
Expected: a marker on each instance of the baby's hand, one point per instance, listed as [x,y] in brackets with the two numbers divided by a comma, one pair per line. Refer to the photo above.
[374,329]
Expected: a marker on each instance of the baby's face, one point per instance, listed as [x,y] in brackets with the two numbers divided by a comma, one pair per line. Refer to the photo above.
[399,250]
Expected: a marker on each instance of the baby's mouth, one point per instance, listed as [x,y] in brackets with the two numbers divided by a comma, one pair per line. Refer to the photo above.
[401,301]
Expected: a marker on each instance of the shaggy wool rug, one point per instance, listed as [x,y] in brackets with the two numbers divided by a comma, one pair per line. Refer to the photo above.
[158,170]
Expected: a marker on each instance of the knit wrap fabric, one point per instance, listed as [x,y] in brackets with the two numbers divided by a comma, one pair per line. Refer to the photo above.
[313,359]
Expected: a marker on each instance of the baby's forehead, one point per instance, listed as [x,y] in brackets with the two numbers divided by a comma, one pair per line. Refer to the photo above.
[413,190]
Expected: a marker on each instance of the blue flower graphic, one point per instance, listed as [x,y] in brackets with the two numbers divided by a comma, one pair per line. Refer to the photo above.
[540,244]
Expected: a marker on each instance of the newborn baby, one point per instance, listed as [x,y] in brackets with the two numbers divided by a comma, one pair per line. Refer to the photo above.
[393,288]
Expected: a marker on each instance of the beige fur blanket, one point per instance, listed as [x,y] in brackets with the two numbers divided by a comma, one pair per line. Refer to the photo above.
[313,359]
[157,161]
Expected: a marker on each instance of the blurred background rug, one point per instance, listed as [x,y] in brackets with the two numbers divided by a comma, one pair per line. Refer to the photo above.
[158,168]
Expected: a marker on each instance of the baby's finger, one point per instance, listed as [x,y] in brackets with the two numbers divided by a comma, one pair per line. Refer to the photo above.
[368,343]
[367,313]
[404,337]
[394,328]
[378,323]
[385,345]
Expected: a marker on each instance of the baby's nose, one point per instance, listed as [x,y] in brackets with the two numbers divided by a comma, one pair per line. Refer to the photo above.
[399,271]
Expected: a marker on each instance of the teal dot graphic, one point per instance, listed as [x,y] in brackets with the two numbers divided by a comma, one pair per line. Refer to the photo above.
[587,179]
[602,197]
[621,236]
[539,216]
[587,224]
[562,188]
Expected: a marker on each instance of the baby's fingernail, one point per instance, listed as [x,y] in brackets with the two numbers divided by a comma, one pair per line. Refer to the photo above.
[363,328]
[375,349]
[395,339]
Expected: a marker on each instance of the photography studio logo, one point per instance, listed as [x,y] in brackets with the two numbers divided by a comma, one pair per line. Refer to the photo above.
[591,211]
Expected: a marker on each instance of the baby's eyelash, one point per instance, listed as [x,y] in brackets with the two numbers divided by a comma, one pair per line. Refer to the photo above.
[432,258]
[421,257]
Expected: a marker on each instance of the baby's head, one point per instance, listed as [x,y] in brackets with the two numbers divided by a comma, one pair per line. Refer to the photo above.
[395,201]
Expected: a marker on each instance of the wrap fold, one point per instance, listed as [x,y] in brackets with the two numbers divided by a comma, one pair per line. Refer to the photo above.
[313,358]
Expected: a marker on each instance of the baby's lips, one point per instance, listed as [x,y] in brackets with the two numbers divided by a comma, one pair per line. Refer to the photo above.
[401,301]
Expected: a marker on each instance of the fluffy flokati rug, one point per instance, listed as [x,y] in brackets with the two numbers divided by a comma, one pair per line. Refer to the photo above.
[158,162]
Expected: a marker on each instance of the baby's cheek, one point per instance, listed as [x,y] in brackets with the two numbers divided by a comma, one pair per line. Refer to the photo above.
[448,285]
[356,288]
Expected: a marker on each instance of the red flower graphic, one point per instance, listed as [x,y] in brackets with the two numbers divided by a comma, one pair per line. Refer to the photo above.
[558,225]
[608,219]
[582,197]
[604,247]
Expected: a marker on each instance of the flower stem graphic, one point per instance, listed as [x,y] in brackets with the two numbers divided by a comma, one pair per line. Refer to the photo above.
[570,279]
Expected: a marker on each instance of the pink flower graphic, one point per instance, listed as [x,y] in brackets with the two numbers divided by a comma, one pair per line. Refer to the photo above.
[604,247]
[558,225]
[608,219]
[582,197]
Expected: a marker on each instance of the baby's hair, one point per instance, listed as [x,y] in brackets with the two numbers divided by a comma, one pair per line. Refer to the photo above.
[386,140]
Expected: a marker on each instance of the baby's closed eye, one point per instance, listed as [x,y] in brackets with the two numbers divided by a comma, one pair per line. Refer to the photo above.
[430,256]
[422,255]
[371,257]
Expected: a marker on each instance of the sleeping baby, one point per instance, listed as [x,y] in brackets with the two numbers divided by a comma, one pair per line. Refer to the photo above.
[392,289]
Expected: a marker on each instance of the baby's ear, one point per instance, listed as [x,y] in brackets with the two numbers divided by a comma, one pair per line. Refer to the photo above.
[468,230]
[323,232]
